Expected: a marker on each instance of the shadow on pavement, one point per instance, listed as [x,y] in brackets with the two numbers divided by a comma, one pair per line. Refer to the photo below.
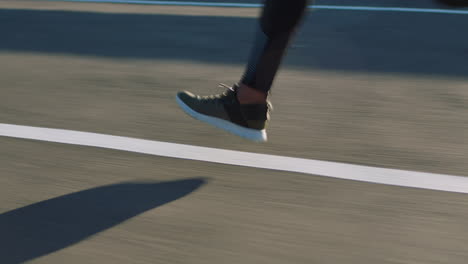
[42,228]
[389,42]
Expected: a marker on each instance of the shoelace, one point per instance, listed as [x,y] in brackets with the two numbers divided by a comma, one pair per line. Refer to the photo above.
[225,86]
[225,97]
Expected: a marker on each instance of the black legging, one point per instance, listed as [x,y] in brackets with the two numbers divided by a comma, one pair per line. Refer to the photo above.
[278,22]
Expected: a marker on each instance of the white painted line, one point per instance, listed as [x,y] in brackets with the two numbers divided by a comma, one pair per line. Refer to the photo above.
[247,5]
[392,9]
[412,179]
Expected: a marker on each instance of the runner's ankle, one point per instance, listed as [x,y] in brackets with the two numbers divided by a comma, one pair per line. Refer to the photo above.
[249,95]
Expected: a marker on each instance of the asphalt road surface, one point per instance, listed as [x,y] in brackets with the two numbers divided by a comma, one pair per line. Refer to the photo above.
[381,89]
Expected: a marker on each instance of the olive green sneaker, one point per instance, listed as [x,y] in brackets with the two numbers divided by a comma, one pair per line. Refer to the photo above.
[224,111]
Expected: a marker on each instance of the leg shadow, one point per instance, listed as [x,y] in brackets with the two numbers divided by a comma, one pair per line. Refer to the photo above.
[42,228]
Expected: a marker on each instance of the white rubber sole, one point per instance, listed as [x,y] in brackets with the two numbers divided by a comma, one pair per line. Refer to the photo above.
[247,133]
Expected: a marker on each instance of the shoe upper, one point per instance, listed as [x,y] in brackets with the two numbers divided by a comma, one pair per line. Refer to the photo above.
[227,107]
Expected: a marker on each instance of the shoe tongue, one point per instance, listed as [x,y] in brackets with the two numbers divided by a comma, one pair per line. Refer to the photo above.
[234,87]
[233,90]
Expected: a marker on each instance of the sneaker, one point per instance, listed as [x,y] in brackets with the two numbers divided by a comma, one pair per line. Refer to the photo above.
[224,111]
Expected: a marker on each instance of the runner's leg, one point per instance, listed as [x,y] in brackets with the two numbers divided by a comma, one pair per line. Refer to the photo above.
[278,22]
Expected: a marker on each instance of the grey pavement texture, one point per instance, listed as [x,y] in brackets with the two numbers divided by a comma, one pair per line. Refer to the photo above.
[385,90]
